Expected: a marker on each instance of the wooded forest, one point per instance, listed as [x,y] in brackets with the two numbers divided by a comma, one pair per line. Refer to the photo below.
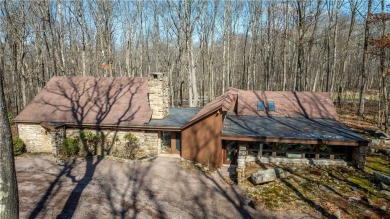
[205,47]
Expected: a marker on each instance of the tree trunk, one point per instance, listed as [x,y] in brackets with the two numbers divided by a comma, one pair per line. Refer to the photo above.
[9,201]
[301,26]
[382,70]
[363,73]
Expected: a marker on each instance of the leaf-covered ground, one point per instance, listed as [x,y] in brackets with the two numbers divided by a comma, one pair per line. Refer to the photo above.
[330,191]
[324,191]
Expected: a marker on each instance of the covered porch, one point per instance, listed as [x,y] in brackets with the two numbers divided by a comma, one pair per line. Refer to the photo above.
[292,140]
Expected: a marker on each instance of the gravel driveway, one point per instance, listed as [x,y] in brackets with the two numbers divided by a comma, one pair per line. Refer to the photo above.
[104,188]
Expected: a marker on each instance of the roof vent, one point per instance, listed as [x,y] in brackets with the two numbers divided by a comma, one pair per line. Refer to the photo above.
[271,106]
[260,106]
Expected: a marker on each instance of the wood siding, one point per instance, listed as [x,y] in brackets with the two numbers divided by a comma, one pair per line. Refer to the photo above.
[201,142]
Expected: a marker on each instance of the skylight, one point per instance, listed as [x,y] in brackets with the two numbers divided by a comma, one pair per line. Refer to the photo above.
[260,106]
[271,105]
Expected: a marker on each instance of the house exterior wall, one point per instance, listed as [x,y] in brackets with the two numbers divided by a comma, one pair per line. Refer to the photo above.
[149,141]
[36,138]
[201,142]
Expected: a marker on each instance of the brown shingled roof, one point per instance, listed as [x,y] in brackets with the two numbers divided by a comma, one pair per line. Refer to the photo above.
[222,102]
[287,104]
[93,101]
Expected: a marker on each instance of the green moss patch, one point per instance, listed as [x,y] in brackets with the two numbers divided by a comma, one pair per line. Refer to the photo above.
[379,164]
[362,183]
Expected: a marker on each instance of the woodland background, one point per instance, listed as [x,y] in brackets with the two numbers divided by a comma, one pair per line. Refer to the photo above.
[205,47]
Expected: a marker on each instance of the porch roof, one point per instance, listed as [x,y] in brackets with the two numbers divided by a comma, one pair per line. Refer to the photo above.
[177,117]
[289,130]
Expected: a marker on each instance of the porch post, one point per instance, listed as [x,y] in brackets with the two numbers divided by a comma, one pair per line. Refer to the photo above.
[317,156]
[260,150]
[273,149]
[173,142]
[242,152]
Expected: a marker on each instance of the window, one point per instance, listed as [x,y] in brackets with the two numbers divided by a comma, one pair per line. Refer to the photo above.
[260,106]
[166,142]
[271,105]
[166,138]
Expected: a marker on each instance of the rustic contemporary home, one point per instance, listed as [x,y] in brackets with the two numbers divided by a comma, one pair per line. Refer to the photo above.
[239,126]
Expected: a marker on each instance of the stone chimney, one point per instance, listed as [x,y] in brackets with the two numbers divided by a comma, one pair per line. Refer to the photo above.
[158,95]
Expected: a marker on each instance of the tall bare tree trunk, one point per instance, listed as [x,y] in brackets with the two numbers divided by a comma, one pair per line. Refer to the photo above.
[9,201]
[61,34]
[353,6]
[363,73]
[382,69]
[335,43]
[300,56]
[285,48]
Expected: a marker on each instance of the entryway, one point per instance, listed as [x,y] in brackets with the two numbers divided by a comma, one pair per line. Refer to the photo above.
[229,152]
[171,142]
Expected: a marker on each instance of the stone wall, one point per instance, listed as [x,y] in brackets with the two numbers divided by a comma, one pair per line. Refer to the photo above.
[242,153]
[359,156]
[36,138]
[114,142]
[158,95]
[57,137]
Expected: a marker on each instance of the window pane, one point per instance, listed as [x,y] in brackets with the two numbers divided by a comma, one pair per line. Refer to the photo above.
[166,141]
[271,105]
[260,106]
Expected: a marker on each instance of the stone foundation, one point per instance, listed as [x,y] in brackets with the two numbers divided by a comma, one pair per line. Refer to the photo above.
[277,160]
[36,138]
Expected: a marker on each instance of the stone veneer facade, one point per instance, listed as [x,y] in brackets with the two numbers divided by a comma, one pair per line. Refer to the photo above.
[158,95]
[36,138]
[149,141]
[57,137]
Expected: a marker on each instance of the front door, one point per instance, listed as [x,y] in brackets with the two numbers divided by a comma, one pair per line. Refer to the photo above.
[229,152]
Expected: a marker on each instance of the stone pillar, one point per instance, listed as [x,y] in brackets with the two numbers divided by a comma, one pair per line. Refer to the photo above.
[242,151]
[158,95]
[359,156]
[57,137]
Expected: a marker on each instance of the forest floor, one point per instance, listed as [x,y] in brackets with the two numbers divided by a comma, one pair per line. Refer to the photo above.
[329,191]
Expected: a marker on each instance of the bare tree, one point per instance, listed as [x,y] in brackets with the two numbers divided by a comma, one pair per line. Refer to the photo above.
[9,201]
[204,46]
[363,73]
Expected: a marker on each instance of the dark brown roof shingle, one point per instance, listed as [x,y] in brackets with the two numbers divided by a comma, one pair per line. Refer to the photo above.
[287,104]
[89,100]
[222,102]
